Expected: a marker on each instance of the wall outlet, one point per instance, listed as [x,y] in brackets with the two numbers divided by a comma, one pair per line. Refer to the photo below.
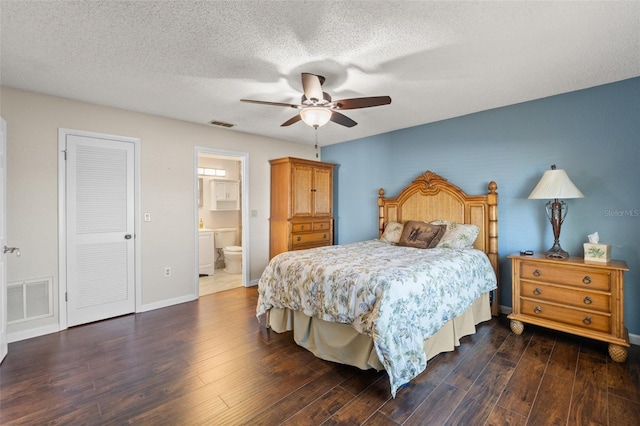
[167,271]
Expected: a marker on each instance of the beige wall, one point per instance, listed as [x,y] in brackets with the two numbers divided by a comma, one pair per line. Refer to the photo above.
[167,178]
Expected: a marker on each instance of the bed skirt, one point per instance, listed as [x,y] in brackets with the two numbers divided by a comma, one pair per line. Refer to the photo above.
[343,344]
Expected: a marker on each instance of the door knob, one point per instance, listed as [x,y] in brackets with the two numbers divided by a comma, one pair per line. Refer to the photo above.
[15,250]
[127,237]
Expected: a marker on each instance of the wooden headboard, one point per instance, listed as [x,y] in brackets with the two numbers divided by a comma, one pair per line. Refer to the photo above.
[431,197]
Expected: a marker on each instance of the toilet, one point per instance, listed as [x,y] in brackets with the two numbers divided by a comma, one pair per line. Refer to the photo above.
[225,242]
[233,259]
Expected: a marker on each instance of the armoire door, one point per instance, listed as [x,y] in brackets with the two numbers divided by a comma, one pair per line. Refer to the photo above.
[322,192]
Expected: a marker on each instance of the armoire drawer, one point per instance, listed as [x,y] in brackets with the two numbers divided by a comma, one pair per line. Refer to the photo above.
[302,227]
[322,226]
[310,238]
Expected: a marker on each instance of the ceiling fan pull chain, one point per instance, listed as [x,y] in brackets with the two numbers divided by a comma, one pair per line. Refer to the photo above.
[316,141]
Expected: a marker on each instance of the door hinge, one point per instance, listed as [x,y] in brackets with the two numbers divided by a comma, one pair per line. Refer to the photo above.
[66,296]
[65,155]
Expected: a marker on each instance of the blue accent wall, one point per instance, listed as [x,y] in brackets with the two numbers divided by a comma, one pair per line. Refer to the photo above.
[594,134]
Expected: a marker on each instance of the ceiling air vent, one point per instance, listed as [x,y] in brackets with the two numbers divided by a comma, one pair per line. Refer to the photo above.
[221,123]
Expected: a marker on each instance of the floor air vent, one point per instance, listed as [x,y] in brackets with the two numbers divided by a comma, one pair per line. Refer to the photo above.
[29,300]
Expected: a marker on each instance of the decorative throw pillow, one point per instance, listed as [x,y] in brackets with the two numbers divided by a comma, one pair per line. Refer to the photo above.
[392,233]
[421,234]
[458,235]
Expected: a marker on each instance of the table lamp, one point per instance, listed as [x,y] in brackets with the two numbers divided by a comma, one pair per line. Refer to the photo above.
[553,185]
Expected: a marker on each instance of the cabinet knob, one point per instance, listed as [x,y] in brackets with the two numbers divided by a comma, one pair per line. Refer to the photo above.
[587,279]
[298,239]
[587,300]
[587,320]
[537,310]
[536,273]
[537,291]
[324,236]
[302,227]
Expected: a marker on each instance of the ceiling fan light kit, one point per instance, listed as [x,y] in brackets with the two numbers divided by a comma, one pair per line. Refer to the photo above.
[315,116]
[317,108]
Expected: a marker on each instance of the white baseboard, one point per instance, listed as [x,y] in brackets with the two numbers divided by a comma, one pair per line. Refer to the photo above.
[634,339]
[16,336]
[167,303]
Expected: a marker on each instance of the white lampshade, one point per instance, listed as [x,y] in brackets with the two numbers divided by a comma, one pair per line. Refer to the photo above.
[315,116]
[555,184]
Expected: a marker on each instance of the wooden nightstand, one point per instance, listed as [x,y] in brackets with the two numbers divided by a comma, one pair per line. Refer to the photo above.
[572,296]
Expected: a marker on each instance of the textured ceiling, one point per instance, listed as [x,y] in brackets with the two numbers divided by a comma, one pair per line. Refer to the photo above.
[194,60]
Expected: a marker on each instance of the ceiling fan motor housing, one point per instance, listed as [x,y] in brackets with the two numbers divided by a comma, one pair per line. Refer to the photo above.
[326,100]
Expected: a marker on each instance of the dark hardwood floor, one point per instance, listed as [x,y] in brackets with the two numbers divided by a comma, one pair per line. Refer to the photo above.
[209,362]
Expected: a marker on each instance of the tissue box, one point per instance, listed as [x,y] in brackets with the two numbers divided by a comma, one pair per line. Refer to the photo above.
[597,252]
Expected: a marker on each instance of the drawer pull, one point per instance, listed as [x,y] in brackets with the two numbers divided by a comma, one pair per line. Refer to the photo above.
[587,320]
[587,300]
[537,310]
[537,291]
[587,280]
[536,273]
[302,227]
[298,239]
[324,236]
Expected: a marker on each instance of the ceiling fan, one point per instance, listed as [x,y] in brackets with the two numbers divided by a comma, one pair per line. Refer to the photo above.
[317,108]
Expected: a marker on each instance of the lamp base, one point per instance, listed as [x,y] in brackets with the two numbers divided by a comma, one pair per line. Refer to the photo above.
[556,252]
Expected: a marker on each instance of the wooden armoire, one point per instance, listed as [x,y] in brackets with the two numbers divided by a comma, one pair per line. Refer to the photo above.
[301,205]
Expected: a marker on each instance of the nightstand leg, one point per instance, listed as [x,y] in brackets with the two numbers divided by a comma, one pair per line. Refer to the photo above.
[618,353]
[517,327]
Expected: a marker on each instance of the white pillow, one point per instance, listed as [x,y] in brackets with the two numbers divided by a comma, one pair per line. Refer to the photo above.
[458,235]
[392,232]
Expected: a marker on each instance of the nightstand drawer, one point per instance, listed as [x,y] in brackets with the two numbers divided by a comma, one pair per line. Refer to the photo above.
[579,298]
[314,237]
[588,320]
[560,274]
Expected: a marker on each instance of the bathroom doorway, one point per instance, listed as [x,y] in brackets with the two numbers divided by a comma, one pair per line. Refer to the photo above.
[221,225]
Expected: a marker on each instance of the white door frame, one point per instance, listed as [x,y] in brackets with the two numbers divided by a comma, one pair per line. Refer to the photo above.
[62,216]
[243,157]
[4,340]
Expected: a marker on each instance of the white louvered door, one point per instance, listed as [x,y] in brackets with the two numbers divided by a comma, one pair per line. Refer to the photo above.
[100,228]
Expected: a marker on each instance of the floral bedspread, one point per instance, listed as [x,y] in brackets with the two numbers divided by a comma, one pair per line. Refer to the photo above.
[397,295]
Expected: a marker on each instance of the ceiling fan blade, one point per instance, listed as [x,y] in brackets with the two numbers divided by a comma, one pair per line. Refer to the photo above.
[270,103]
[367,102]
[291,121]
[312,86]
[342,119]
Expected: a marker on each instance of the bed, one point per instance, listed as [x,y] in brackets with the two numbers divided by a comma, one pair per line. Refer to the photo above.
[383,303]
